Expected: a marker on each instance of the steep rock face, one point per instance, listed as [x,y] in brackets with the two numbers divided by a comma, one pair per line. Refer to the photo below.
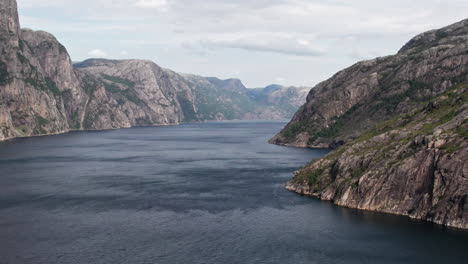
[9,28]
[415,164]
[217,99]
[41,92]
[31,102]
[9,21]
[283,101]
[162,96]
[355,99]
[187,97]
[401,122]
[129,93]
[56,64]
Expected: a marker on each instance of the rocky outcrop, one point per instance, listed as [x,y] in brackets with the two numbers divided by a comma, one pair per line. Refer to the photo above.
[400,127]
[415,164]
[184,97]
[41,92]
[130,93]
[355,99]
[283,101]
[30,100]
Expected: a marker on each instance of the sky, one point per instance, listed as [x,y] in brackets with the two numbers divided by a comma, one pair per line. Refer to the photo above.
[288,42]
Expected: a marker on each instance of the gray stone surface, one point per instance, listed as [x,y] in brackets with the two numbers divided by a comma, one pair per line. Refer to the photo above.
[400,127]
[42,92]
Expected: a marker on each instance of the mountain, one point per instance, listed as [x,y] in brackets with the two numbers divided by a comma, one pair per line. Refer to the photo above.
[197,98]
[399,126]
[354,99]
[283,101]
[42,92]
[39,90]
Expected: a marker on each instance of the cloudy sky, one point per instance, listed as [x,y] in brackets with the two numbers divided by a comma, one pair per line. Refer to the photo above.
[290,42]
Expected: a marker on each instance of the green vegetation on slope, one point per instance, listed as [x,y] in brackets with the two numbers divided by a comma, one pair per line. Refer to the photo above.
[399,132]
[213,100]
[126,93]
[116,79]
[46,85]
[187,108]
[4,76]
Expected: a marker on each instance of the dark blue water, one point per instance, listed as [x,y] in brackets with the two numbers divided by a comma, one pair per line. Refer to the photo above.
[202,193]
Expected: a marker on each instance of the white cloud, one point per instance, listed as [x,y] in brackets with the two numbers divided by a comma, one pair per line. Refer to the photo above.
[304,41]
[265,46]
[280,79]
[157,4]
[97,53]
[40,3]
[123,53]
[279,42]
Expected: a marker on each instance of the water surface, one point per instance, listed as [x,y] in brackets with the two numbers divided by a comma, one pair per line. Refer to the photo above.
[196,193]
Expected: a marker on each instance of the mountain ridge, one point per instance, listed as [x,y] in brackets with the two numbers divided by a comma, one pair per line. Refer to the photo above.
[43,92]
[376,89]
[397,125]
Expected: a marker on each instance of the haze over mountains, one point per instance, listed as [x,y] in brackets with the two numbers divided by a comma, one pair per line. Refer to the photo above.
[43,93]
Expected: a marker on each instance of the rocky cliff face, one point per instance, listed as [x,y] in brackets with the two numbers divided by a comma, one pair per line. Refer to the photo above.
[9,43]
[402,125]
[41,92]
[130,93]
[353,100]
[30,63]
[414,164]
[283,101]
[184,97]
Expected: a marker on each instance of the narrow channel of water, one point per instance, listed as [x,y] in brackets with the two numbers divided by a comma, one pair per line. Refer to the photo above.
[196,193]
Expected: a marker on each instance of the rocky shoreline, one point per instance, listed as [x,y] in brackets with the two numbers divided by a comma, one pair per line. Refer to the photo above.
[398,125]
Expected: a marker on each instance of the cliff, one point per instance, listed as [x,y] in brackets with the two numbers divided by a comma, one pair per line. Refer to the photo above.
[399,126]
[42,92]
[283,101]
[355,99]
[184,97]
[35,72]
[415,164]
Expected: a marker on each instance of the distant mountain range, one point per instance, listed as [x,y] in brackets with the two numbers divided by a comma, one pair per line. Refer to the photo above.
[42,92]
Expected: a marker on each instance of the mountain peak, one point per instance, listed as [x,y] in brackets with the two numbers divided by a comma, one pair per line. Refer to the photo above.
[452,34]
[9,21]
[95,62]
[272,87]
